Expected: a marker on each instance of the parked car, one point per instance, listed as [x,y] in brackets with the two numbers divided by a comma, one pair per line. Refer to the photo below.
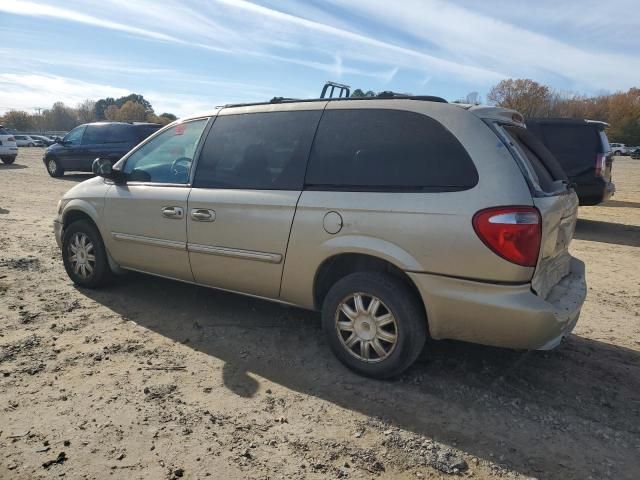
[82,145]
[634,152]
[582,149]
[619,149]
[8,146]
[398,218]
[27,141]
[45,140]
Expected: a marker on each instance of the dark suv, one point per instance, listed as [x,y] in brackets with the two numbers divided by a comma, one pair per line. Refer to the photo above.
[582,149]
[82,145]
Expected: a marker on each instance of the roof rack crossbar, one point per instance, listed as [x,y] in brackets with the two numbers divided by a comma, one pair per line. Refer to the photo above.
[343,90]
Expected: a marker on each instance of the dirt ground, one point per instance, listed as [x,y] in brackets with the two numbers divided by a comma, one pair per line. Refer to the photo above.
[155,379]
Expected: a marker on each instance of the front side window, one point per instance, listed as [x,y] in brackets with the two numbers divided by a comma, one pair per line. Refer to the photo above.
[166,158]
[387,150]
[260,151]
[74,137]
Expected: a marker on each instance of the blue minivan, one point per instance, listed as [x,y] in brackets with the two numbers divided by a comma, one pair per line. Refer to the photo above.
[82,145]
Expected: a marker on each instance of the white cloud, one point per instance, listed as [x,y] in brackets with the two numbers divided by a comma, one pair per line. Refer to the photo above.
[469,36]
[29,91]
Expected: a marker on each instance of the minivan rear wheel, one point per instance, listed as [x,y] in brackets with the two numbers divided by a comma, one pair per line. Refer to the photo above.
[374,324]
[54,169]
[84,255]
[8,160]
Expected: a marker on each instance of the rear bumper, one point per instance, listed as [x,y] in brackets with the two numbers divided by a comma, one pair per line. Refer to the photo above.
[510,316]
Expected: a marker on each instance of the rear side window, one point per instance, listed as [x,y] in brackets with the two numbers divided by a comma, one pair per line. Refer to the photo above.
[575,146]
[143,131]
[3,131]
[119,133]
[260,151]
[94,134]
[382,150]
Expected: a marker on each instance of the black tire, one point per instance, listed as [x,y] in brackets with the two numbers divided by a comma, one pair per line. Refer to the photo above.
[100,272]
[397,298]
[8,160]
[53,167]
[31,145]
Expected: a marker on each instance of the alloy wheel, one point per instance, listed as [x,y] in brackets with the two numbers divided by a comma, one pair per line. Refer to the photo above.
[82,255]
[366,327]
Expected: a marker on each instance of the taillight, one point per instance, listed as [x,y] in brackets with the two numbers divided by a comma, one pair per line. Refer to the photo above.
[601,160]
[11,139]
[512,232]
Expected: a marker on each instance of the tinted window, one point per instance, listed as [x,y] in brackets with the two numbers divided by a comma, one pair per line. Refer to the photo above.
[3,132]
[74,136]
[143,131]
[266,151]
[387,149]
[574,146]
[119,133]
[545,166]
[166,158]
[94,134]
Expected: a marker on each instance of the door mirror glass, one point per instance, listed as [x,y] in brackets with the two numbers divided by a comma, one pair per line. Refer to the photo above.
[102,167]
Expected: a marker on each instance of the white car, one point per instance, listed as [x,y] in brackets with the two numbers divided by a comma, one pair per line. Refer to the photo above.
[27,141]
[8,146]
[619,149]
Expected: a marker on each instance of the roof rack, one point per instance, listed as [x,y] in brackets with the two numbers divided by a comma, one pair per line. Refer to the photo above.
[331,87]
[346,89]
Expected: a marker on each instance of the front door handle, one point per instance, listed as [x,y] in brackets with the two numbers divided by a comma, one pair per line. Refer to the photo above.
[203,215]
[172,212]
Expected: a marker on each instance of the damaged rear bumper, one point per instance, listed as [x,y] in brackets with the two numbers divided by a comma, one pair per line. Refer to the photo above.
[511,316]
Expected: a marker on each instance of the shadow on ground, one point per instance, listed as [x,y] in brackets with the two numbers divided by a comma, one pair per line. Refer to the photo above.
[607,232]
[620,204]
[13,166]
[559,414]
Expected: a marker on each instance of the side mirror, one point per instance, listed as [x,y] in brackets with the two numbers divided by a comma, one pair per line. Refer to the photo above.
[102,167]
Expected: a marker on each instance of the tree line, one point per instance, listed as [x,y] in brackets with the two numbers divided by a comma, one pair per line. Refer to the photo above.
[621,110]
[60,117]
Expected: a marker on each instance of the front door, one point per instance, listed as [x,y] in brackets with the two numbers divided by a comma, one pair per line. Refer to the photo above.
[246,187]
[71,152]
[146,216]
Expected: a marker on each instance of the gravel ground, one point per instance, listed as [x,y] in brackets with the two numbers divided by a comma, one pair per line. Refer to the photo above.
[155,379]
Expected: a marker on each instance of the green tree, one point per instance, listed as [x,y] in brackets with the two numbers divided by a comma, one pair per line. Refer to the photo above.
[169,116]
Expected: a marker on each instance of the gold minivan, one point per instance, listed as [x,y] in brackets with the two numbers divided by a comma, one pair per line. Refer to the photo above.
[399,218]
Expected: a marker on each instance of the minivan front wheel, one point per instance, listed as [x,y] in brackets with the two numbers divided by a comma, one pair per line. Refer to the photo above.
[54,169]
[84,255]
[374,324]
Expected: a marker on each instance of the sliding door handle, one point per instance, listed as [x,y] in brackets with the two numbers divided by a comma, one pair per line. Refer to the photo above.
[203,215]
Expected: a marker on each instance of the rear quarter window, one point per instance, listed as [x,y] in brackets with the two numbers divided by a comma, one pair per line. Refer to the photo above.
[387,150]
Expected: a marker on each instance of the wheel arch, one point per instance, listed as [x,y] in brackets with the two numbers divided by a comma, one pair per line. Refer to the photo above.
[338,266]
[80,210]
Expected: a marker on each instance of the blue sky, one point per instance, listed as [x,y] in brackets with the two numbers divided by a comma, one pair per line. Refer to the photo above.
[191,55]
